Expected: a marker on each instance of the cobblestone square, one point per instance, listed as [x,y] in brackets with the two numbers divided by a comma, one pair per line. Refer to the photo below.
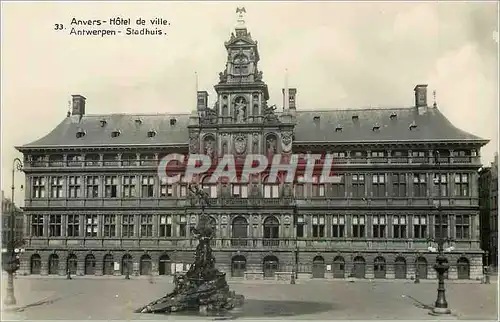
[103,299]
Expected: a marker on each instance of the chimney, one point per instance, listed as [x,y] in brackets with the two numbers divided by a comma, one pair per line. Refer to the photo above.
[292,92]
[78,105]
[420,96]
[202,100]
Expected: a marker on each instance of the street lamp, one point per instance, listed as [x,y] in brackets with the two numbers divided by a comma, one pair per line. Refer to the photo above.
[12,264]
[441,266]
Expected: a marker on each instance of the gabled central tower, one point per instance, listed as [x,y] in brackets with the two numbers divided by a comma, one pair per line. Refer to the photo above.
[242,95]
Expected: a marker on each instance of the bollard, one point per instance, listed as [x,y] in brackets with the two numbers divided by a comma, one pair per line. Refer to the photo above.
[292,278]
[417,277]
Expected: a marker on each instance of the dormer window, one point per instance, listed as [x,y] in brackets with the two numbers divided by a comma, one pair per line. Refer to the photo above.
[338,128]
[80,134]
[413,126]
[115,134]
[103,123]
[138,121]
[376,127]
[393,116]
[172,122]
[355,118]
[151,133]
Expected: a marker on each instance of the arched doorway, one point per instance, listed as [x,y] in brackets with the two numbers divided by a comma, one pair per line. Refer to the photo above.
[338,267]
[421,264]
[72,263]
[463,268]
[35,264]
[271,231]
[108,267]
[238,266]
[359,269]
[270,266]
[400,268]
[145,265]
[318,267]
[379,267]
[90,265]
[126,264]
[53,264]
[239,232]
[164,265]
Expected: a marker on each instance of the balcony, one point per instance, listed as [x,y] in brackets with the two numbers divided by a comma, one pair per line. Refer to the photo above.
[104,202]
[243,202]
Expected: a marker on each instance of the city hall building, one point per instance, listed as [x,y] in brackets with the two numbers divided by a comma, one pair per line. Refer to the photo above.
[94,204]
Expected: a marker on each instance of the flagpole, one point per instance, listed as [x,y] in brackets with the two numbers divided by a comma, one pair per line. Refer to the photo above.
[286,103]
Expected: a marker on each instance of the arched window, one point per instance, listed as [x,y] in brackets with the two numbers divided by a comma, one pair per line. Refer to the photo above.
[165,266]
[239,232]
[238,266]
[318,269]
[145,265]
[72,263]
[53,264]
[270,266]
[271,231]
[421,264]
[379,267]
[400,268]
[463,268]
[35,264]
[240,65]
[90,265]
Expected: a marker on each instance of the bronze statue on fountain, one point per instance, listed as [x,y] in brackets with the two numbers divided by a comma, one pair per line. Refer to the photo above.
[203,287]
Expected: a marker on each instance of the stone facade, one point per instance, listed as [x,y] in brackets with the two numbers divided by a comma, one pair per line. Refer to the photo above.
[94,201]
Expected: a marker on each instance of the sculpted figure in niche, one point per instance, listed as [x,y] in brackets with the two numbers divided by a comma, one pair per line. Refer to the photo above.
[209,147]
[240,109]
[271,145]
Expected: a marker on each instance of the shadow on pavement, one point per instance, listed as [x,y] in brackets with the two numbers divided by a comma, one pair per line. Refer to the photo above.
[269,309]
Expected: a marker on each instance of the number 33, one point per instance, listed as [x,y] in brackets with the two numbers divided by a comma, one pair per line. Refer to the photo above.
[58,26]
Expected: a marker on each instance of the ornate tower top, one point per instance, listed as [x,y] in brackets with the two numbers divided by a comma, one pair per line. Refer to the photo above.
[241,21]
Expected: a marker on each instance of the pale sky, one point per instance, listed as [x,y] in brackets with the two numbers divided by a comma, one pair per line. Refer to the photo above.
[338,56]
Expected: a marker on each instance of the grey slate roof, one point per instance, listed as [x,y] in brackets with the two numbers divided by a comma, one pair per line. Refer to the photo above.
[131,131]
[431,126]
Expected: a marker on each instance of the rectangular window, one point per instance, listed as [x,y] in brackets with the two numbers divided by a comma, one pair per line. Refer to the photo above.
[440,185]
[74,187]
[109,228]
[148,184]
[318,189]
[300,226]
[55,223]
[111,186]
[399,185]
[338,230]
[183,226]
[378,182]
[358,185]
[165,226]
[419,185]
[441,226]
[91,225]
[318,226]
[358,226]
[399,226]
[461,185]
[56,187]
[92,186]
[271,191]
[299,190]
[166,190]
[146,225]
[37,225]
[462,227]
[420,226]
[38,187]
[240,191]
[73,225]
[128,187]
[128,225]
[338,186]
[210,189]
[379,226]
